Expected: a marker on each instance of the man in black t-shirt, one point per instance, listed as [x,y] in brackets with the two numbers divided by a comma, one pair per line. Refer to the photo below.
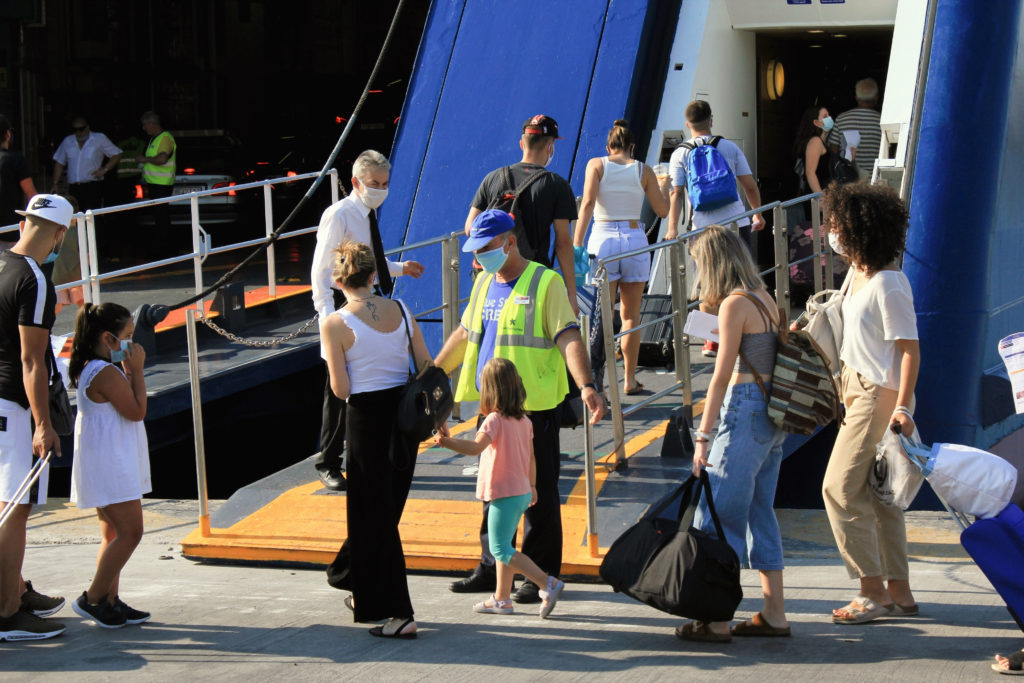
[15,179]
[547,201]
[27,300]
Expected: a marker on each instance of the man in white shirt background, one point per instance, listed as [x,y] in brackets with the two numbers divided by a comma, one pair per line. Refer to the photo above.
[353,218]
[87,157]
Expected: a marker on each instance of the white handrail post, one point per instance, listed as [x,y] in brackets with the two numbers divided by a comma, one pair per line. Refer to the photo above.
[611,372]
[197,419]
[817,241]
[334,185]
[94,260]
[779,232]
[268,220]
[588,456]
[680,309]
[197,259]
[82,233]
[450,298]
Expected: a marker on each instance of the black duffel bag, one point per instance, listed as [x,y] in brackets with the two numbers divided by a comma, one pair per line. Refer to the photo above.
[674,567]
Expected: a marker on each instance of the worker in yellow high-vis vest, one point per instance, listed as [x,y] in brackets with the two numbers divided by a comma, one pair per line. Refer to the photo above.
[520,310]
[158,168]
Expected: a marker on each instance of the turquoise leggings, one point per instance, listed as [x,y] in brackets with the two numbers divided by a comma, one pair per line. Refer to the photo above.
[503,517]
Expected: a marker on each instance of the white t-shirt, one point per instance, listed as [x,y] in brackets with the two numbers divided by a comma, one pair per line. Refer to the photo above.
[881,312]
[737,162]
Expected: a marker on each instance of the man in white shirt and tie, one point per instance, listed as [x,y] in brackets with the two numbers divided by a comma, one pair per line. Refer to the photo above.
[353,218]
[82,154]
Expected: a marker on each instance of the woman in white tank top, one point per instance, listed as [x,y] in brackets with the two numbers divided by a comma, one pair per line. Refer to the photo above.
[367,347]
[613,194]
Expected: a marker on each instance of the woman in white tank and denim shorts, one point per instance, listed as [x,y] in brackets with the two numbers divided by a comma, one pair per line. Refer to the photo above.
[613,194]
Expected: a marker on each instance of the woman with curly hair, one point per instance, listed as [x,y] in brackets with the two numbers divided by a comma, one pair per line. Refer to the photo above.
[880,355]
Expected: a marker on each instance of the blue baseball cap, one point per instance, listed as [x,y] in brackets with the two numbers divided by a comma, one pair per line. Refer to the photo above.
[486,226]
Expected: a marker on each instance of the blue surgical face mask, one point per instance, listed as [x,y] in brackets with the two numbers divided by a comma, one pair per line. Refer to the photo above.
[118,355]
[492,261]
[827,123]
[54,252]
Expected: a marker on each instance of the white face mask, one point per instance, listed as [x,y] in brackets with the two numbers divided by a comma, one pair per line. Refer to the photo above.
[833,241]
[550,156]
[372,197]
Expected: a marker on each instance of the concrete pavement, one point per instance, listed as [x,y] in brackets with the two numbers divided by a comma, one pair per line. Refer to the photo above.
[236,622]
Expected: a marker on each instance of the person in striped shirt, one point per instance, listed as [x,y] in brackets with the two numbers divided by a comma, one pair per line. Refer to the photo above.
[864,119]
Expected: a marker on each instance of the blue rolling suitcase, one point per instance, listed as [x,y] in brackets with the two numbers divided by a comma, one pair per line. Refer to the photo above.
[997,546]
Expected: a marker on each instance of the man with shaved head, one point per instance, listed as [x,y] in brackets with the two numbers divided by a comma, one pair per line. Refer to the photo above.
[87,157]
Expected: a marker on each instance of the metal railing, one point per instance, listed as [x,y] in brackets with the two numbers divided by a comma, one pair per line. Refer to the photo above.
[450,320]
[202,246]
[678,278]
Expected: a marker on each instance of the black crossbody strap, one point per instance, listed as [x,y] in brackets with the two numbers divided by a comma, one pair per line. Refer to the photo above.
[408,335]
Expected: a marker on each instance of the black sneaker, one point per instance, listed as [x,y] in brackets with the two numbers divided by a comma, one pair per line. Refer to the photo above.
[131,615]
[38,604]
[27,626]
[477,582]
[333,479]
[528,593]
[104,614]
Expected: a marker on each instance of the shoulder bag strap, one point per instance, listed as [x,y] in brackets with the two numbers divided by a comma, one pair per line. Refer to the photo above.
[753,370]
[408,335]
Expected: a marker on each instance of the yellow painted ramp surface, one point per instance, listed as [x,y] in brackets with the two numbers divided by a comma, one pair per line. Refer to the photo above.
[437,534]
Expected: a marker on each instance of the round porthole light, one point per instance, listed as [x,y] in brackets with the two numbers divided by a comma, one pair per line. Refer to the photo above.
[775,79]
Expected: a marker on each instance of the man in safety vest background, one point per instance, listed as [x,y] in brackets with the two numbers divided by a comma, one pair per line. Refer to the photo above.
[520,310]
[158,168]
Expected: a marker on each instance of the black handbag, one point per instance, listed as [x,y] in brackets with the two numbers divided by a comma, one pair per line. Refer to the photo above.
[674,567]
[426,400]
[62,417]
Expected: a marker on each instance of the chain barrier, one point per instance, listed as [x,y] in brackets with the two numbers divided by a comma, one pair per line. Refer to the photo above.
[259,343]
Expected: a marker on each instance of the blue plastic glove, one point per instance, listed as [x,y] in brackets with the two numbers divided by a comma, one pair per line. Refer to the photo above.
[581,263]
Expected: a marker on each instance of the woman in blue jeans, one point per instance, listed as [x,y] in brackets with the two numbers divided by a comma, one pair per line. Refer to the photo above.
[743,460]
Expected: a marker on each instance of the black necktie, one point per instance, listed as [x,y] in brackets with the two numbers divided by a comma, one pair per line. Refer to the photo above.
[383,274]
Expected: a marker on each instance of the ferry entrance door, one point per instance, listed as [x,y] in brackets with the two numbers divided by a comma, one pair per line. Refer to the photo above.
[795,70]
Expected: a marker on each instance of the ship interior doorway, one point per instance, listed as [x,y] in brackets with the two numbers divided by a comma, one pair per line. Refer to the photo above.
[797,69]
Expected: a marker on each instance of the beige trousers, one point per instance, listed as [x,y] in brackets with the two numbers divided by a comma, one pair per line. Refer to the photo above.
[871,536]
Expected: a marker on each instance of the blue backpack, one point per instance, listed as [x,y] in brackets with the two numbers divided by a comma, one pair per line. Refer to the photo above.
[710,182]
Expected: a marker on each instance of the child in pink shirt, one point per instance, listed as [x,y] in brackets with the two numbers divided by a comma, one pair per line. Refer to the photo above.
[507,479]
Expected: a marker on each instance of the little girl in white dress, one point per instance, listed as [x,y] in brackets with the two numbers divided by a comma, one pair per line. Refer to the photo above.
[111,461]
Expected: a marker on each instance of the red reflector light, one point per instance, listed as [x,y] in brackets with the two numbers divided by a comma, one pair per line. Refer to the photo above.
[396,119]
[291,174]
[231,193]
[263,163]
[373,91]
[138,192]
[340,119]
[189,171]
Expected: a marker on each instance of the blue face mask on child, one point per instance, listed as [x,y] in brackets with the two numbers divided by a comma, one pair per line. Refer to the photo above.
[118,355]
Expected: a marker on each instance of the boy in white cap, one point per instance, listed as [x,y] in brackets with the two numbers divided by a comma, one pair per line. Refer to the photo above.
[27,300]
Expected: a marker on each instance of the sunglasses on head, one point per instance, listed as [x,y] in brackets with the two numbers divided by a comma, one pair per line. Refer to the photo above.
[78,129]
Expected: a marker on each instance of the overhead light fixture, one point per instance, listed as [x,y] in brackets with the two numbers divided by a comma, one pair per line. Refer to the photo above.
[774,79]
[838,35]
[814,46]
[815,30]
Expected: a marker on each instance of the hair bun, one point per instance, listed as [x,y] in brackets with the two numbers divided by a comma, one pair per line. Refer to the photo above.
[621,123]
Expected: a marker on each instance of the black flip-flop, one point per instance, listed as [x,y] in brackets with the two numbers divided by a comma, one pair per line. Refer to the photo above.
[1016,665]
[379,631]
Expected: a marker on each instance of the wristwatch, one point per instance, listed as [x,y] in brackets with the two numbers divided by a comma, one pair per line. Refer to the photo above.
[590,385]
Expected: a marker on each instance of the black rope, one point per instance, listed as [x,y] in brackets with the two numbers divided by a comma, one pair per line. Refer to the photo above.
[272,237]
